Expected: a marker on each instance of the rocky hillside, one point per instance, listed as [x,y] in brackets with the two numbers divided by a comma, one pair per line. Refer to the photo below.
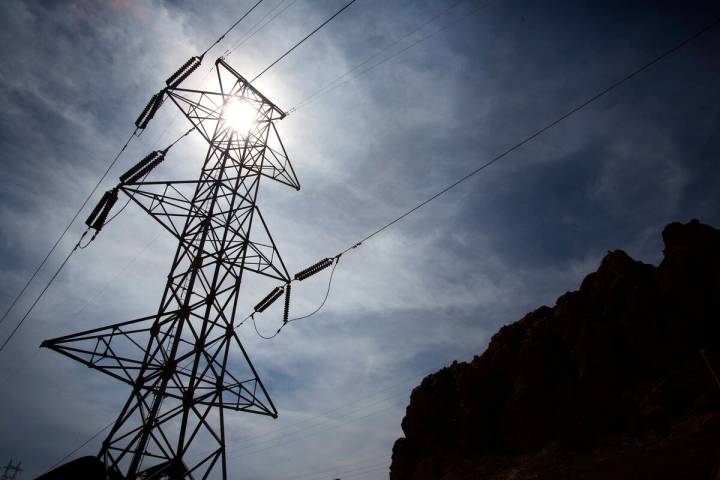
[610,383]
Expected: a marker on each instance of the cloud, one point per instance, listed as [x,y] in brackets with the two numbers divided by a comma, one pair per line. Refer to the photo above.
[427,291]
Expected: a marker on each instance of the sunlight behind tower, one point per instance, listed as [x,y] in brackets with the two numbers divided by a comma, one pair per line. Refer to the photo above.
[239,115]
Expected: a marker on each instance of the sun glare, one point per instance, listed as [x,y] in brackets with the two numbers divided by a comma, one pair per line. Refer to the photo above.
[239,116]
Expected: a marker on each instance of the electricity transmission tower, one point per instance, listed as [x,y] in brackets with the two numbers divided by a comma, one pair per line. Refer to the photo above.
[185,364]
[10,471]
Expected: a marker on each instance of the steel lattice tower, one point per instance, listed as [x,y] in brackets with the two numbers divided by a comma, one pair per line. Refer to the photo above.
[185,364]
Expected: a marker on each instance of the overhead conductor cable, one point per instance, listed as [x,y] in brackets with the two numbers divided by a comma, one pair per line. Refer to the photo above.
[303,40]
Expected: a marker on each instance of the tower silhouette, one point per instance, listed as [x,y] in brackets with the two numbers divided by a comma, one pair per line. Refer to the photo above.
[10,471]
[185,364]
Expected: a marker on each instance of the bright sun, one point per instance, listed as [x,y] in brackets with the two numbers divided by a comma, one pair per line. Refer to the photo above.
[239,116]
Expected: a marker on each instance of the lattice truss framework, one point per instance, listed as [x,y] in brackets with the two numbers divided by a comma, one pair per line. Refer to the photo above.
[178,362]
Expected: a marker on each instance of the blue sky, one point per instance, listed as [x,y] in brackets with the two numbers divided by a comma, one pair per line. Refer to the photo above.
[432,289]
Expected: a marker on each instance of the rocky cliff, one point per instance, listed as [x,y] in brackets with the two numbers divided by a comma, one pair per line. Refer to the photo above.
[610,383]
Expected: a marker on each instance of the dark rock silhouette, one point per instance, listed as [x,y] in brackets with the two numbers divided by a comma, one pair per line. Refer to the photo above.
[609,383]
[83,468]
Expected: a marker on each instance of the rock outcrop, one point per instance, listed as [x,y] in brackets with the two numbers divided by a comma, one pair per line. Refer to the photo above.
[608,383]
[83,468]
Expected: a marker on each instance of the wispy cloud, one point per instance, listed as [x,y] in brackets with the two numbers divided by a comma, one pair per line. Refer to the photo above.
[432,289]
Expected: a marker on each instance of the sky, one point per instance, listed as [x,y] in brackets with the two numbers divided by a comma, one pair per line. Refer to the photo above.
[463,81]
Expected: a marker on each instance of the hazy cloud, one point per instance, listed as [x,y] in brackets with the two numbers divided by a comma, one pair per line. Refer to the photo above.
[434,288]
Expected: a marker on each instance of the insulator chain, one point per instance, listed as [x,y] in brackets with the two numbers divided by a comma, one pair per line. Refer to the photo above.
[150,110]
[313,269]
[97,217]
[286,312]
[173,81]
[183,72]
[269,299]
[143,167]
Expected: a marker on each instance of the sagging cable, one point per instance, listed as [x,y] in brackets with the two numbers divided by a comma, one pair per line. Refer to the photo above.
[150,110]
[143,167]
[313,269]
[287,305]
[269,299]
[97,217]
[183,72]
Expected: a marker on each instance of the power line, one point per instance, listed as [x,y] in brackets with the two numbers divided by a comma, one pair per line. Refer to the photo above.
[79,244]
[311,425]
[81,446]
[124,269]
[32,306]
[336,82]
[303,40]
[542,130]
[343,409]
[221,37]
[355,465]
[351,475]
[360,468]
[313,429]
[254,30]
[270,437]
[67,228]
[520,144]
